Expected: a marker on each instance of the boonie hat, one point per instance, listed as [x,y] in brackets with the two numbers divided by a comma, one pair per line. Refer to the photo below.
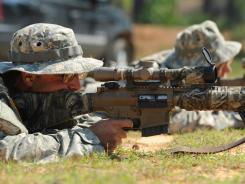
[47,49]
[189,44]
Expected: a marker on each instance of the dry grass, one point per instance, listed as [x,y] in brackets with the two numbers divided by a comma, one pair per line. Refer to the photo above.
[128,165]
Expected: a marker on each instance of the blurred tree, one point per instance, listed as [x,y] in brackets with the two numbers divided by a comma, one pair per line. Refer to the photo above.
[117,3]
[231,10]
[137,9]
[215,8]
[1,11]
[126,5]
[159,12]
[238,10]
[225,12]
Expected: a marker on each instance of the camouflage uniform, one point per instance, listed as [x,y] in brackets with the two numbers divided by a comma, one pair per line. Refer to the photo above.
[45,49]
[187,52]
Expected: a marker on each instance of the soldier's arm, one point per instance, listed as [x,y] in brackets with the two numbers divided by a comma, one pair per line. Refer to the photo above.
[182,121]
[46,146]
[10,120]
[49,146]
[157,57]
[188,121]
[53,144]
[16,144]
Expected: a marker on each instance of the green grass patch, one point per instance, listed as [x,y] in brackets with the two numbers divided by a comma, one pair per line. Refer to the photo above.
[130,166]
[237,70]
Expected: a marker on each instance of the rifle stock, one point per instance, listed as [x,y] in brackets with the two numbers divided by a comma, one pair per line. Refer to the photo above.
[148,94]
[149,107]
[232,82]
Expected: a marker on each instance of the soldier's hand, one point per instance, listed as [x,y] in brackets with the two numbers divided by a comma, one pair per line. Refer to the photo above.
[110,132]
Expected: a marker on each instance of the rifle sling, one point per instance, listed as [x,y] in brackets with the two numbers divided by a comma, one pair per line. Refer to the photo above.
[207,150]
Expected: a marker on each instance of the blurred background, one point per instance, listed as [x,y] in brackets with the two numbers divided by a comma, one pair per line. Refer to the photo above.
[123,30]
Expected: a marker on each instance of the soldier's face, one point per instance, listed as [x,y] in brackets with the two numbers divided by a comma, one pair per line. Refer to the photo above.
[224,69]
[48,83]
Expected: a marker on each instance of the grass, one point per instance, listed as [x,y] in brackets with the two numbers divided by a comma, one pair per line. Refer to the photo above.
[128,166]
[237,70]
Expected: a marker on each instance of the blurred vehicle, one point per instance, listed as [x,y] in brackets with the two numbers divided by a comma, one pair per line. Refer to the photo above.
[103,30]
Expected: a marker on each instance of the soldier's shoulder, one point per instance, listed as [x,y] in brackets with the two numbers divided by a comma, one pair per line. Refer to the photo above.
[158,57]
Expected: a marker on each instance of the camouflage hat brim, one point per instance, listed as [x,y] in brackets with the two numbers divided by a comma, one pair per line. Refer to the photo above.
[222,54]
[229,50]
[9,122]
[75,65]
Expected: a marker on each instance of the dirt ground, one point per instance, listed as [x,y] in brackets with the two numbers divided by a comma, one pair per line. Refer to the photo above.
[160,142]
[149,39]
[145,144]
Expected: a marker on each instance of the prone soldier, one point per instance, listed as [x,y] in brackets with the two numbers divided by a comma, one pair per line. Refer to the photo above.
[186,52]
[43,80]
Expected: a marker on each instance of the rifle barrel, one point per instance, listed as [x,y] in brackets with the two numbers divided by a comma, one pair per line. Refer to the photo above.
[232,82]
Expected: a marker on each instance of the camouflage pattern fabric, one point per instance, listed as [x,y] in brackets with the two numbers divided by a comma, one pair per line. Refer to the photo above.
[183,121]
[188,121]
[10,122]
[49,110]
[59,110]
[189,44]
[187,52]
[216,98]
[49,146]
[47,49]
